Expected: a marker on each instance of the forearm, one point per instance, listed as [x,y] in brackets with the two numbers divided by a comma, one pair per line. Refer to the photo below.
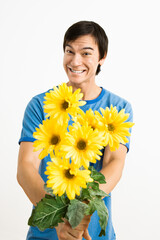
[112,172]
[31,182]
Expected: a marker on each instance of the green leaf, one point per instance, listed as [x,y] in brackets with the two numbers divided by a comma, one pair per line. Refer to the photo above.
[85,194]
[49,212]
[102,211]
[97,193]
[97,176]
[89,193]
[76,212]
[48,190]
[91,208]
[93,185]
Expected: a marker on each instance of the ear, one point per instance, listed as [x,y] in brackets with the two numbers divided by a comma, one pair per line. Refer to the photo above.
[101,61]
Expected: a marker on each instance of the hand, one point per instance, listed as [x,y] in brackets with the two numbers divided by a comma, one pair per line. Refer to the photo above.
[84,226]
[66,232]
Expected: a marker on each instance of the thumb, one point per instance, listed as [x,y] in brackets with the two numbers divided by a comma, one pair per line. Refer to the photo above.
[86,235]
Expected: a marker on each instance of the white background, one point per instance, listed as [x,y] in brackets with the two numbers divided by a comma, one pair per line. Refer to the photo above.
[31,37]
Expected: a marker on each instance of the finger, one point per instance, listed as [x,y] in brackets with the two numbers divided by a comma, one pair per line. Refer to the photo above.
[86,235]
[84,223]
[65,235]
[69,236]
[76,233]
[86,219]
[65,220]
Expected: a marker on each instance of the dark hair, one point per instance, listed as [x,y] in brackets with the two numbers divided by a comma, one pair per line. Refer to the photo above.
[88,28]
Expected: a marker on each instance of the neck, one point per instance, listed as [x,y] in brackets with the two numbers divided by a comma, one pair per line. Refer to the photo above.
[90,91]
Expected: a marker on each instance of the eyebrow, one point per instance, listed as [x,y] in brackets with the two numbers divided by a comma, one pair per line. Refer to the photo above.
[67,45]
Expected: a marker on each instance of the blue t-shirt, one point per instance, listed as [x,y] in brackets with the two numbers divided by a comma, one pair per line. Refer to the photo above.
[33,116]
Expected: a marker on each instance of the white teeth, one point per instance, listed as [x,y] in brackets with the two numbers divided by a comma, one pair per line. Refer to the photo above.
[75,71]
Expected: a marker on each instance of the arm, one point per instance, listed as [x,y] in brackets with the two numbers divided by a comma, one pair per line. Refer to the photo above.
[113,164]
[27,172]
[33,185]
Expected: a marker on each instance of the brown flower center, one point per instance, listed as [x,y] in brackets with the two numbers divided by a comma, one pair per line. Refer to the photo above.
[93,128]
[65,105]
[81,145]
[111,127]
[68,174]
[55,140]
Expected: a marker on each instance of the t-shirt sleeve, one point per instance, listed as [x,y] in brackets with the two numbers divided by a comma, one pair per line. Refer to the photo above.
[128,109]
[33,116]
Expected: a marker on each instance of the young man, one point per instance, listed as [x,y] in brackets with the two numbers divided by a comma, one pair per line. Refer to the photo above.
[85,49]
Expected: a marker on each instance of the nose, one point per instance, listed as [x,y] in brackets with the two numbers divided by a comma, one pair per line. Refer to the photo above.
[76,60]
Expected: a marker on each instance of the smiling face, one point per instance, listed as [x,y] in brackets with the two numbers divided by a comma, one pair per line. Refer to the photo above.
[81,59]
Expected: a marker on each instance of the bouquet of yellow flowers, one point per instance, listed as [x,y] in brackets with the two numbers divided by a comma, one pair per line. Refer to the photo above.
[74,139]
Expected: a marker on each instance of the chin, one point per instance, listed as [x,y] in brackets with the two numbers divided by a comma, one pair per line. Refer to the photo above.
[75,80]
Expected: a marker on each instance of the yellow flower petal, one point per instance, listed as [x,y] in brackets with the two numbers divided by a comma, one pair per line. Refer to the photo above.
[62,179]
[86,145]
[61,101]
[49,137]
[114,126]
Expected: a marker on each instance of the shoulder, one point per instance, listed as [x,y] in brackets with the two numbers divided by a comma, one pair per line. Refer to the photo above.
[39,98]
[37,101]
[35,106]
[111,98]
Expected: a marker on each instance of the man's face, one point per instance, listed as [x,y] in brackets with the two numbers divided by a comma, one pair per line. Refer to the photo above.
[81,59]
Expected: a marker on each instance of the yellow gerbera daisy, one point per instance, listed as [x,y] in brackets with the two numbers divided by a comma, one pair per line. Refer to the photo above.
[61,101]
[115,128]
[83,145]
[88,118]
[49,136]
[61,179]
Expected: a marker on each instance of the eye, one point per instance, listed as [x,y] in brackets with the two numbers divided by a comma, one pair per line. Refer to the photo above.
[86,53]
[69,51]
